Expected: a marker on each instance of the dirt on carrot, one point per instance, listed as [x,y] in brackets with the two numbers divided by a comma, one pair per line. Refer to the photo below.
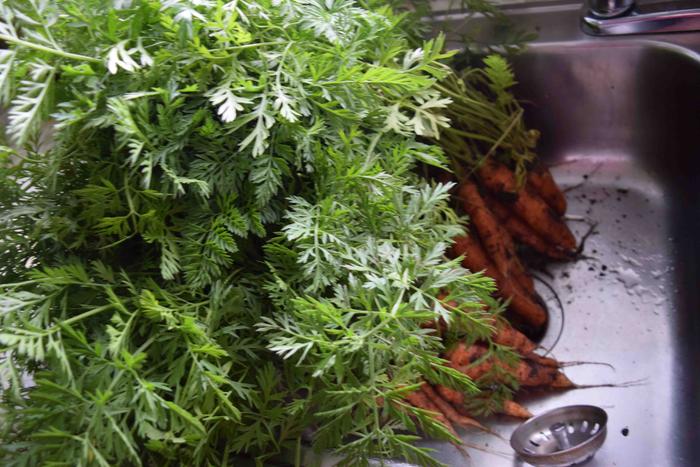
[475,259]
[528,205]
[421,400]
[449,411]
[541,181]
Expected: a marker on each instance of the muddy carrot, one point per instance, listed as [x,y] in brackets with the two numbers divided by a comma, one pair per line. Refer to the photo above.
[513,409]
[452,396]
[461,354]
[561,381]
[528,205]
[487,226]
[496,240]
[448,410]
[532,374]
[507,335]
[541,181]
[420,399]
[540,360]
[475,259]
[527,373]
[498,178]
[523,233]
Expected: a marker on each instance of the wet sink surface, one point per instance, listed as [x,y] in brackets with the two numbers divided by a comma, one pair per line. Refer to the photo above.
[617,309]
[620,122]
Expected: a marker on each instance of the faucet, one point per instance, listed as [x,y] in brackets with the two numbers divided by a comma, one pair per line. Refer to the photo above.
[619,17]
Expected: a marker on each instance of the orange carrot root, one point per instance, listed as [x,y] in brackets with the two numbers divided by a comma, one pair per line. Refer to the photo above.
[505,334]
[452,396]
[527,372]
[461,355]
[542,182]
[561,381]
[544,361]
[420,400]
[523,233]
[449,411]
[513,409]
[475,259]
[496,240]
[528,205]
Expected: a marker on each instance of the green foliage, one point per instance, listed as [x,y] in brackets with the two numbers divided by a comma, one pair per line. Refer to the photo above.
[225,245]
[487,120]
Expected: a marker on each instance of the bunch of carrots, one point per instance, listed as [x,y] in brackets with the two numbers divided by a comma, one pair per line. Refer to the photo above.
[449,406]
[504,213]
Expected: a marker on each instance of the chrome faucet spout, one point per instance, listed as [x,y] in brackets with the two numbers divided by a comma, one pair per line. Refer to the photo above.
[610,8]
[621,17]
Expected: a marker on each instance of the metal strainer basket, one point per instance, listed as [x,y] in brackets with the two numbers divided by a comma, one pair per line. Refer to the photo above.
[561,437]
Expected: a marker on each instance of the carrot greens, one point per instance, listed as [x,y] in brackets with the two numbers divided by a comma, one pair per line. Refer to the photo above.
[212,241]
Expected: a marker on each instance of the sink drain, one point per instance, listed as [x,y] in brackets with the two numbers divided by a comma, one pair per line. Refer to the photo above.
[561,437]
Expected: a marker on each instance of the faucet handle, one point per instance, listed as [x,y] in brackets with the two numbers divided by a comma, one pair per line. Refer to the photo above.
[610,8]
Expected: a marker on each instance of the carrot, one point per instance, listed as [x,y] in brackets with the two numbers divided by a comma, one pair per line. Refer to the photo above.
[452,396]
[462,410]
[475,259]
[448,410]
[540,360]
[464,359]
[498,178]
[532,374]
[513,409]
[420,399]
[439,325]
[486,225]
[528,204]
[525,307]
[461,355]
[527,372]
[523,233]
[541,181]
[505,334]
[561,381]
[496,240]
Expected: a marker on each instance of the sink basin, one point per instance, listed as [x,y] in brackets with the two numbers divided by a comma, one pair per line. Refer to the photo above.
[620,119]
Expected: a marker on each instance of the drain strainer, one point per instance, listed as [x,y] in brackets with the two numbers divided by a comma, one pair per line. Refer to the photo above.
[561,437]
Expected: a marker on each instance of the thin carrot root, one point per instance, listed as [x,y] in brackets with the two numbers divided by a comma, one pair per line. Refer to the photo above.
[583,362]
[513,409]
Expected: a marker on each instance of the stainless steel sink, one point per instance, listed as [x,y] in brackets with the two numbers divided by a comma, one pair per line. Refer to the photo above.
[620,122]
